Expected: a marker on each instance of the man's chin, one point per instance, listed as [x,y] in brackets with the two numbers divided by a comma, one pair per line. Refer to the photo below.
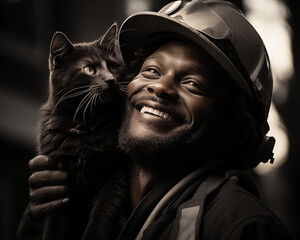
[175,149]
[151,144]
[155,154]
[143,146]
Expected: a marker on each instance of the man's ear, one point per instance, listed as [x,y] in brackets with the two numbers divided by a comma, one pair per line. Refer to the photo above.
[59,46]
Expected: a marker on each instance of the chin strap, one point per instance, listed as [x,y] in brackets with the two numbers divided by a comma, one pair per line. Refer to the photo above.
[265,150]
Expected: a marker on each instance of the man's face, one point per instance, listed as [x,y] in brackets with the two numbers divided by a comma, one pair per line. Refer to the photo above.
[171,101]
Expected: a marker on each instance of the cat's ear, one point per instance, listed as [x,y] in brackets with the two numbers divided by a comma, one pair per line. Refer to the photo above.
[110,36]
[110,40]
[60,45]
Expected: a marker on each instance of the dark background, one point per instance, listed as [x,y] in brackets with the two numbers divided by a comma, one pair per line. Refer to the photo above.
[25,33]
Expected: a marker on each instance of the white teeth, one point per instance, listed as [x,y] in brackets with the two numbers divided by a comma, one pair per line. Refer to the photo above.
[156,112]
[166,116]
[144,109]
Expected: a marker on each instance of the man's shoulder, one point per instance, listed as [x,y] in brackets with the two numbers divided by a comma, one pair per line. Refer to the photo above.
[233,198]
[234,211]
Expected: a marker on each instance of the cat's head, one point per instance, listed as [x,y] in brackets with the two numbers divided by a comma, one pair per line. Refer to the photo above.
[77,69]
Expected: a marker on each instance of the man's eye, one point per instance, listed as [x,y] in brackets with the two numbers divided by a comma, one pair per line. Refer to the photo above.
[190,83]
[89,70]
[192,86]
[150,72]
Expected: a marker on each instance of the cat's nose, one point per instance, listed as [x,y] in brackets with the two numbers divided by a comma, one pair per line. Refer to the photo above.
[110,82]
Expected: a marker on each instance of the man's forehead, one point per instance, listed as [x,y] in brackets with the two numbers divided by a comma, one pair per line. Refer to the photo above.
[156,56]
[196,61]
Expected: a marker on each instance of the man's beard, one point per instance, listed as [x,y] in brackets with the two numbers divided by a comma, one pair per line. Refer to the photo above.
[144,145]
[175,150]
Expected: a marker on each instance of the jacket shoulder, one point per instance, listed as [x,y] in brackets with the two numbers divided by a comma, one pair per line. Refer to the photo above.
[234,213]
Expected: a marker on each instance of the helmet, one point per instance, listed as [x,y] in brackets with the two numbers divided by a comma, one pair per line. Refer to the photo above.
[221,29]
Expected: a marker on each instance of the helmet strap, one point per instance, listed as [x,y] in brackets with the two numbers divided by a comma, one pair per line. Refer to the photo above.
[264,151]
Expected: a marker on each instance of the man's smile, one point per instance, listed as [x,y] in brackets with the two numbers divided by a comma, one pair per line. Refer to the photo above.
[155,112]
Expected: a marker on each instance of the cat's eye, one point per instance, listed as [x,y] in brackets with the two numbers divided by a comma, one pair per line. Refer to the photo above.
[89,70]
[113,66]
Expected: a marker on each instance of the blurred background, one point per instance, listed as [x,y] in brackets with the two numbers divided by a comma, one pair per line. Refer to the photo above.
[26,29]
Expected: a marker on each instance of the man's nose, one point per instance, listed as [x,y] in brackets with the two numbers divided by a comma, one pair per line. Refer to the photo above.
[165,87]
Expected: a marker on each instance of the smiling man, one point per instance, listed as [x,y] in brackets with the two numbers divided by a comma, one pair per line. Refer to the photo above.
[173,108]
[185,122]
[199,94]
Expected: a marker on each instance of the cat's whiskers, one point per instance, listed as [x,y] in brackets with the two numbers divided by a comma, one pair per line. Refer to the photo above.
[82,102]
[57,94]
[88,104]
[91,101]
[101,97]
[94,103]
[124,83]
[70,94]
[123,89]
[111,46]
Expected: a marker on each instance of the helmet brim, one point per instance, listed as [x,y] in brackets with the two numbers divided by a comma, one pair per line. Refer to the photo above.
[137,28]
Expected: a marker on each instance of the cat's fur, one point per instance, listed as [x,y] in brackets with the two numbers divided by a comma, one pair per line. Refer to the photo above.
[78,131]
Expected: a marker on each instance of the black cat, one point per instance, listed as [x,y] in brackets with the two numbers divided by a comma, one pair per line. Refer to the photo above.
[78,130]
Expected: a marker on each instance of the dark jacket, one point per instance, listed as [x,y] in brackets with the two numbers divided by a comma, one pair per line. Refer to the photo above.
[219,208]
[210,208]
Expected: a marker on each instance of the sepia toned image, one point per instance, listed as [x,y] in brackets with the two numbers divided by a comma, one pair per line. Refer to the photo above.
[149,119]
